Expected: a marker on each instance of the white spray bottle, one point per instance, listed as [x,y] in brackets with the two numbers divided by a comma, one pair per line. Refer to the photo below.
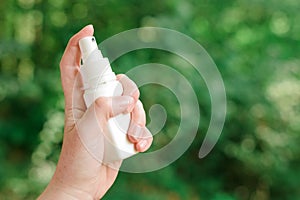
[99,80]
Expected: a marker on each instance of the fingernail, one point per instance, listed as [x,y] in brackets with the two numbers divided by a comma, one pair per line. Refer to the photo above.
[90,26]
[142,144]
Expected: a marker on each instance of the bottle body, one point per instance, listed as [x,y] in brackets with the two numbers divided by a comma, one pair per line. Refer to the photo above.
[116,143]
[100,81]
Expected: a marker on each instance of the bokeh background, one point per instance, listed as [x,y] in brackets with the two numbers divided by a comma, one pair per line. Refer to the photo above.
[255,45]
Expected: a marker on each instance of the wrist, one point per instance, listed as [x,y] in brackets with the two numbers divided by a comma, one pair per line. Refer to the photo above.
[57,190]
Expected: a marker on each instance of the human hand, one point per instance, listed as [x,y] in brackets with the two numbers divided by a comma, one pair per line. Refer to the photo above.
[80,174]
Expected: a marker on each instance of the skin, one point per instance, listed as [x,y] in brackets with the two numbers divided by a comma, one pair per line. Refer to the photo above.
[78,174]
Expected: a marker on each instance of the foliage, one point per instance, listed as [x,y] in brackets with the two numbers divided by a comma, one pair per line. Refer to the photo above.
[255,45]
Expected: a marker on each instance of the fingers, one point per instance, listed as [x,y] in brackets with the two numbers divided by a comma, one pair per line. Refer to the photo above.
[129,87]
[69,64]
[137,132]
[113,106]
[138,120]
[72,55]
[144,142]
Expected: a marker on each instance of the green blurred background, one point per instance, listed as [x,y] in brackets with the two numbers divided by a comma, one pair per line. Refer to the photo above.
[255,45]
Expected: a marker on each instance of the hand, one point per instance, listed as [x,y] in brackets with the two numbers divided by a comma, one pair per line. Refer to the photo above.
[80,174]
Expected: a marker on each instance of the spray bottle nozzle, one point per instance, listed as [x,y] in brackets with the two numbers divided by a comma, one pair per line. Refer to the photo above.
[87,45]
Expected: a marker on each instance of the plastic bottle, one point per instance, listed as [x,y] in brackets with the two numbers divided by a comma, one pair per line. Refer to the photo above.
[99,80]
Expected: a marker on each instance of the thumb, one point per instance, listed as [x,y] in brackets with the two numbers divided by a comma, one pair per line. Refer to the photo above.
[113,106]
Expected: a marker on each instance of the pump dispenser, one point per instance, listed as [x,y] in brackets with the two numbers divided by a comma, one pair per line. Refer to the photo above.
[99,80]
